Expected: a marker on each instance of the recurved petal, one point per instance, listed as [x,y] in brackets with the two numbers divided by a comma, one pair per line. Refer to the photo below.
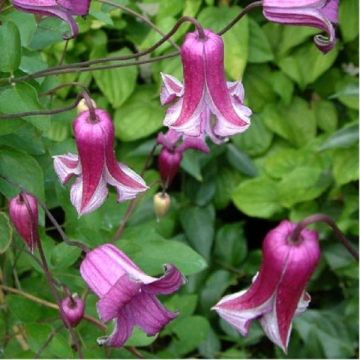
[171,89]
[66,166]
[169,140]
[123,329]
[194,142]
[120,294]
[126,181]
[171,281]
[149,314]
[236,89]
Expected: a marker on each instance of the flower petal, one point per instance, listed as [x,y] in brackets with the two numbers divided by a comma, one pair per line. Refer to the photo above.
[171,89]
[120,294]
[66,166]
[171,281]
[78,7]
[149,314]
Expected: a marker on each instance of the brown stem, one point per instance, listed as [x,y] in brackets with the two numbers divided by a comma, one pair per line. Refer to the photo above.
[296,235]
[90,106]
[233,22]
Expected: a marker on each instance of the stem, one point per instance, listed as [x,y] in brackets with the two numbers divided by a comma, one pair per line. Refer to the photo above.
[141,17]
[247,9]
[296,235]
[89,104]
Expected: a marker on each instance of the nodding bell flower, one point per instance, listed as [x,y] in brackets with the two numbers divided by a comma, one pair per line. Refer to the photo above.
[96,165]
[277,293]
[73,308]
[205,102]
[174,144]
[127,294]
[63,9]
[321,14]
[23,212]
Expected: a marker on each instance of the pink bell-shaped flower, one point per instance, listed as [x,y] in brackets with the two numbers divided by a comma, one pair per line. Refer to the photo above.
[277,293]
[23,212]
[96,165]
[63,9]
[321,14]
[206,103]
[73,308]
[127,294]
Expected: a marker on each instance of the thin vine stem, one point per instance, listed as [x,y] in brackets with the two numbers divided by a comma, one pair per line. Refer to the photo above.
[296,235]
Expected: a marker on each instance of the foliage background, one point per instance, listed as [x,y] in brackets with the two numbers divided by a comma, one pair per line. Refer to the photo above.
[300,156]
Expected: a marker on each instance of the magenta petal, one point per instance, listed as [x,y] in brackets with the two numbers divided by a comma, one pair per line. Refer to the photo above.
[149,314]
[76,7]
[170,139]
[118,296]
[171,281]
[66,166]
[123,329]
[171,89]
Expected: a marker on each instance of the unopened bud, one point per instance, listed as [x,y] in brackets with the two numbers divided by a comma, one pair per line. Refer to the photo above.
[162,202]
[169,163]
[73,308]
[82,105]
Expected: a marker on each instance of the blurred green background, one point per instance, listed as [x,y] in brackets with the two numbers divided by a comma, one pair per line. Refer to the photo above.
[299,156]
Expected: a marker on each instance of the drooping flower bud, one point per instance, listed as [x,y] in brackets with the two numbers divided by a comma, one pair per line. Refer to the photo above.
[278,292]
[169,163]
[73,308]
[23,212]
[162,202]
[96,165]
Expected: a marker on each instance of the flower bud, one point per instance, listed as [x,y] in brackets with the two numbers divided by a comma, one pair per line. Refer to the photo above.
[23,212]
[73,308]
[82,106]
[162,202]
[169,163]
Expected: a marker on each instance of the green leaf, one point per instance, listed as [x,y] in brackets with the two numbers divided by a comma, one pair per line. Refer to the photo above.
[64,255]
[326,115]
[306,64]
[11,47]
[259,47]
[116,84]
[343,138]
[231,245]
[349,19]
[235,41]
[198,224]
[139,116]
[151,252]
[256,140]
[302,184]
[5,232]
[346,165]
[23,170]
[296,122]
[257,197]
[139,338]
[26,99]
[283,86]
[241,161]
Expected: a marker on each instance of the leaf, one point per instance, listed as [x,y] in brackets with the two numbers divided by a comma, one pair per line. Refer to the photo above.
[231,245]
[296,122]
[116,84]
[235,41]
[349,19]
[256,140]
[64,255]
[343,138]
[139,338]
[198,224]
[257,197]
[22,98]
[139,116]
[259,47]
[22,169]
[326,115]
[346,165]
[11,47]
[241,161]
[6,232]
[306,64]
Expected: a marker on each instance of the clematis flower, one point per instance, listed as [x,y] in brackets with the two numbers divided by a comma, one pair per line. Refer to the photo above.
[127,294]
[63,9]
[277,293]
[96,165]
[321,14]
[73,308]
[23,212]
[206,103]
[174,145]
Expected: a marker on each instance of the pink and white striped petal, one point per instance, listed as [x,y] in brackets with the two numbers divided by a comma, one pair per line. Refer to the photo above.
[66,166]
